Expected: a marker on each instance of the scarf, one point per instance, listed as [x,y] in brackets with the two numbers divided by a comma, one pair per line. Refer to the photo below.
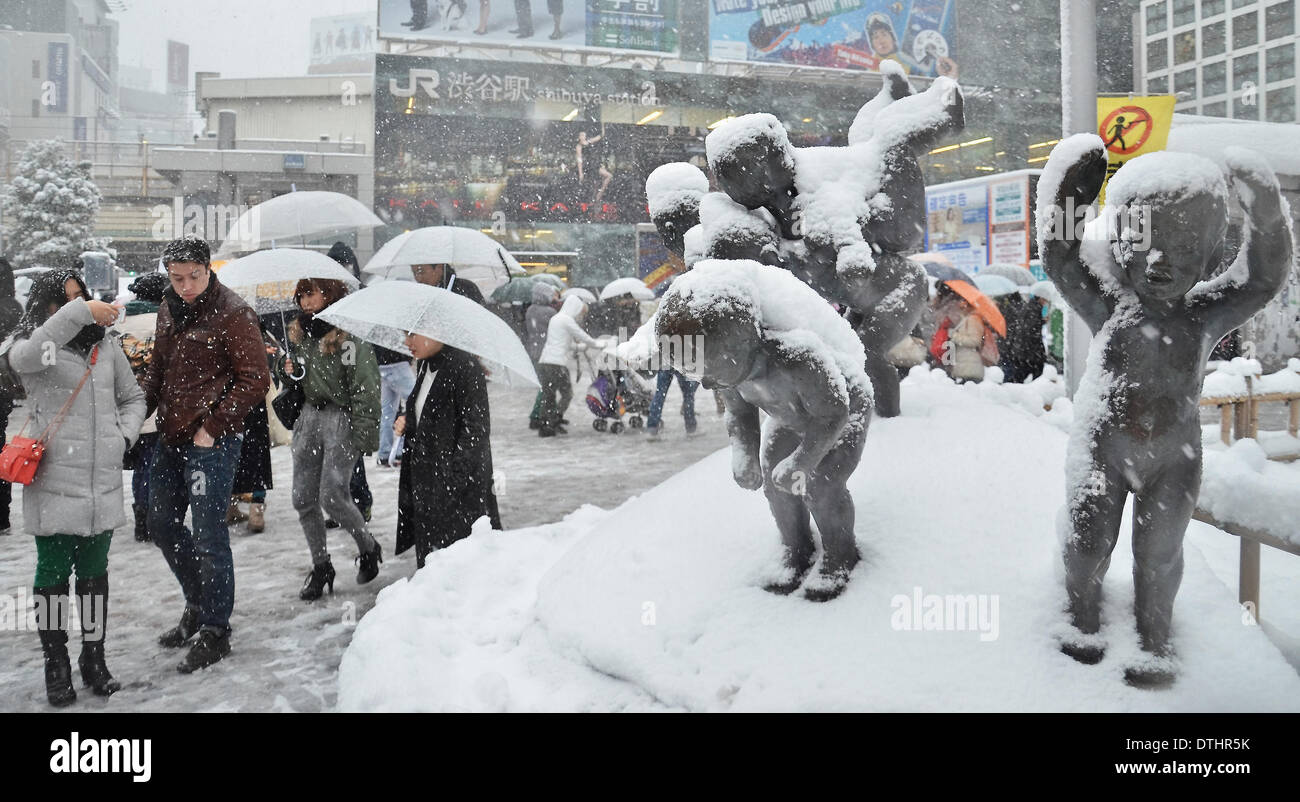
[87,338]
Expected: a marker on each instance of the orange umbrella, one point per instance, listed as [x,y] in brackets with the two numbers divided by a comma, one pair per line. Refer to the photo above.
[984,306]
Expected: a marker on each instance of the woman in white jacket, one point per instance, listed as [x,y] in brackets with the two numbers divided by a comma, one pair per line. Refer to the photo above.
[563,336]
[75,501]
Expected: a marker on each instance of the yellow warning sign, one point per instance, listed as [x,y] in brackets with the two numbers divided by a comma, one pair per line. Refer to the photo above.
[1131,126]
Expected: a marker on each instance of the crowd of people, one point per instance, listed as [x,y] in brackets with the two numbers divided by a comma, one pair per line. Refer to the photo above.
[175,387]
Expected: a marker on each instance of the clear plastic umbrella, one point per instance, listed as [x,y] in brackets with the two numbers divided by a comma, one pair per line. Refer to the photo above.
[294,218]
[266,279]
[1047,291]
[995,286]
[1020,275]
[472,254]
[627,286]
[586,295]
[383,313]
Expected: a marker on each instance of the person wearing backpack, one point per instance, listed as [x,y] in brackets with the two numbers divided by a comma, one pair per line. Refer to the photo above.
[10,392]
[86,406]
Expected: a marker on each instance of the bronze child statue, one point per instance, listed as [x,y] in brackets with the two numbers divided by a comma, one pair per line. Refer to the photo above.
[771,343]
[1135,276]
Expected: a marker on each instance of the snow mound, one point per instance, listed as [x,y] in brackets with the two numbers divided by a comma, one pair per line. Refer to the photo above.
[666,594]
[1228,380]
[656,604]
[1242,486]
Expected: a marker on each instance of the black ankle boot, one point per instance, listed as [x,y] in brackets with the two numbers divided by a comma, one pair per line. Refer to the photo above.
[51,618]
[141,512]
[320,576]
[369,564]
[92,600]
[210,648]
[176,637]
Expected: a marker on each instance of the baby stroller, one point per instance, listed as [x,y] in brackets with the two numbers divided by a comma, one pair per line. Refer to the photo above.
[615,393]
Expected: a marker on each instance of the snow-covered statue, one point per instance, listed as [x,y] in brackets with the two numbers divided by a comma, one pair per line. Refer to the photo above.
[1135,274]
[838,218]
[771,343]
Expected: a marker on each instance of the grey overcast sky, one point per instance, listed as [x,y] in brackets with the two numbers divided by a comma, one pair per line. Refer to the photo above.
[238,38]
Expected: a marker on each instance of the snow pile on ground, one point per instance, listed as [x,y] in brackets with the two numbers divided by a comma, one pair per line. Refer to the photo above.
[657,604]
[1241,485]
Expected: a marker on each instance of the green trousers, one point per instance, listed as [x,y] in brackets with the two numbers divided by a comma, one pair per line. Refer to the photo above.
[58,555]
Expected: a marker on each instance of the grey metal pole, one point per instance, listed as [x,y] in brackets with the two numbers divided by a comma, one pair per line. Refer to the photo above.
[1078,116]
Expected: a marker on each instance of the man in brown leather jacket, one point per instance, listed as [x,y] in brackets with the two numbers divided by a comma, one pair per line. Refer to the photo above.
[208,370]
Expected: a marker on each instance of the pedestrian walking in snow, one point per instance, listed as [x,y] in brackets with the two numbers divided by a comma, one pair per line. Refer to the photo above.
[663,383]
[10,312]
[136,329]
[537,319]
[84,397]
[338,423]
[446,478]
[563,336]
[207,371]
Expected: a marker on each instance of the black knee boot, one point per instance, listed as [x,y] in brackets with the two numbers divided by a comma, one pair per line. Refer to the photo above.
[92,598]
[51,624]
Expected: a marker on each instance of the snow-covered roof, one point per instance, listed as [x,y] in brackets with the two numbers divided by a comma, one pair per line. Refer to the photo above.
[1278,143]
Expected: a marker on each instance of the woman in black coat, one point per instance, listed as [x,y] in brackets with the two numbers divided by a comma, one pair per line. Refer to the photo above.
[446,477]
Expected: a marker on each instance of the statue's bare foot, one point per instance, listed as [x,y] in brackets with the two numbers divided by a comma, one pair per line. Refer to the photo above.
[1152,672]
[791,576]
[1087,648]
[827,584]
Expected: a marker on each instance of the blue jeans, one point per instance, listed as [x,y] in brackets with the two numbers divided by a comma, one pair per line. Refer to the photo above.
[140,474]
[661,394]
[200,479]
[396,383]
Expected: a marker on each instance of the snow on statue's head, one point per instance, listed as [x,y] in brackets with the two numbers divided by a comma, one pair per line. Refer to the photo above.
[719,314]
[753,161]
[1166,218]
[673,192]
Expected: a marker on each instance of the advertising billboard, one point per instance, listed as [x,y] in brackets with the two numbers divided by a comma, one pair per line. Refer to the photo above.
[983,221]
[641,25]
[57,71]
[178,67]
[341,43]
[849,34]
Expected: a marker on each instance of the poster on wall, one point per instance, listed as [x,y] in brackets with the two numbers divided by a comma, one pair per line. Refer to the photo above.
[848,34]
[1009,221]
[957,224]
[642,25]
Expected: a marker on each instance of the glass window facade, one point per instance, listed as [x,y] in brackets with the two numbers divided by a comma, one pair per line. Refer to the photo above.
[1245,107]
[1210,8]
[1214,79]
[1245,30]
[1279,63]
[1245,69]
[1185,81]
[1184,12]
[1185,47]
[1281,105]
[1219,109]
[1158,54]
[1279,20]
[1156,17]
[1214,38]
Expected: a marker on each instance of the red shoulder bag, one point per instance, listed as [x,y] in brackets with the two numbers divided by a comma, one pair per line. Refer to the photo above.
[22,456]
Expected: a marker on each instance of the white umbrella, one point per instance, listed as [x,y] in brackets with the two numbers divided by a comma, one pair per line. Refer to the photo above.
[1047,291]
[995,286]
[552,279]
[383,313]
[297,216]
[627,286]
[1022,276]
[266,279]
[472,254]
[583,293]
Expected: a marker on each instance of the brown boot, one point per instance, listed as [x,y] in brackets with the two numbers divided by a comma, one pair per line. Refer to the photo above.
[256,518]
[235,515]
